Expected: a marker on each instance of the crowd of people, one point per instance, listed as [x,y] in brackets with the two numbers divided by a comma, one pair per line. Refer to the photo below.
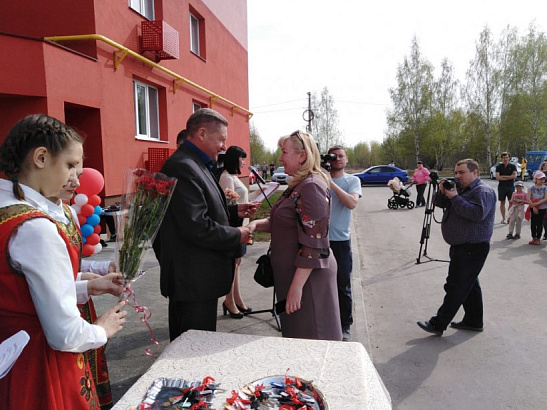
[200,245]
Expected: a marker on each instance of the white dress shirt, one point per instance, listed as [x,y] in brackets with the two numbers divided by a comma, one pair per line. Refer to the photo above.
[37,250]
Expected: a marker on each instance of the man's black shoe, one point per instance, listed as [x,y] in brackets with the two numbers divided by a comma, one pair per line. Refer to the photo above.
[428,327]
[463,326]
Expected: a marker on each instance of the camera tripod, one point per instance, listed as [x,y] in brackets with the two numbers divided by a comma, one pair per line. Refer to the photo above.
[272,310]
[426,226]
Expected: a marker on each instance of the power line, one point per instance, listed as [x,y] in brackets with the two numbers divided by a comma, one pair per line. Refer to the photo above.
[270,105]
[285,109]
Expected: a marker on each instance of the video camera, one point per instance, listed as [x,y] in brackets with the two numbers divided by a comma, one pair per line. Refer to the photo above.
[450,183]
[325,159]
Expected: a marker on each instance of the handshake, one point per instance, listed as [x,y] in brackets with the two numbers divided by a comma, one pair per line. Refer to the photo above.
[246,211]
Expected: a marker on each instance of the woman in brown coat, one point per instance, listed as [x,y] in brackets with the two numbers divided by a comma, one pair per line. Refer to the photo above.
[304,266]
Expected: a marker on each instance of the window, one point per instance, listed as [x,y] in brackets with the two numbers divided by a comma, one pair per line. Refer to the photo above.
[143,7]
[194,34]
[197,106]
[146,111]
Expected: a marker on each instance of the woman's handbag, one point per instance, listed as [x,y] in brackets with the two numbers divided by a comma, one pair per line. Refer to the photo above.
[264,272]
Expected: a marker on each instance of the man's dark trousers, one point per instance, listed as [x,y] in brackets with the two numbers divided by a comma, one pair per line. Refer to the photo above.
[462,285]
[198,315]
[342,254]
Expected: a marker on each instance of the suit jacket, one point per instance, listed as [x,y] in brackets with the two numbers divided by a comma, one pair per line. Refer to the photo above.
[196,245]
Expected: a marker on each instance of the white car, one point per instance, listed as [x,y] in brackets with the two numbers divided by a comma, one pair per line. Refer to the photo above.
[280,176]
[519,173]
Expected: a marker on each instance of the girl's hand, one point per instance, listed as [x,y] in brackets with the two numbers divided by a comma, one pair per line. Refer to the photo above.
[113,319]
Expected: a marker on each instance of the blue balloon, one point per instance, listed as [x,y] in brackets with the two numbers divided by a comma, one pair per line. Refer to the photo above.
[93,220]
[84,239]
[86,230]
[98,210]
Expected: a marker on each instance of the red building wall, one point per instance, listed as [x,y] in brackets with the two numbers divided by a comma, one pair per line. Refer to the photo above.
[76,81]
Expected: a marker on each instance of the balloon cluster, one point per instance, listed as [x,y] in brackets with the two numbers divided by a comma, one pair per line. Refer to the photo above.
[86,203]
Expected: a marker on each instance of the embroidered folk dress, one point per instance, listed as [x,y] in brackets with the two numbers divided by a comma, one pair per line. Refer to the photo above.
[52,371]
[299,227]
[95,357]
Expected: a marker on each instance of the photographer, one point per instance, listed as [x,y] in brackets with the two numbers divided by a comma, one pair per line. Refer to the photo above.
[467,225]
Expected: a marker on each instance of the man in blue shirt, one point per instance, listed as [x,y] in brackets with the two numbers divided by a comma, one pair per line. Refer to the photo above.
[345,191]
[467,226]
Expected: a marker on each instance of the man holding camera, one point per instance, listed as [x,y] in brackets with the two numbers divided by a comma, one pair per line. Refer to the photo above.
[345,191]
[467,225]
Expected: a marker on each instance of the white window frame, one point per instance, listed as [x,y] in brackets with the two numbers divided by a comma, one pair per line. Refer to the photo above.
[196,106]
[194,35]
[150,116]
[143,7]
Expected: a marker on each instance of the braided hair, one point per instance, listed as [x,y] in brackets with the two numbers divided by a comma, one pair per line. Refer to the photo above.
[33,131]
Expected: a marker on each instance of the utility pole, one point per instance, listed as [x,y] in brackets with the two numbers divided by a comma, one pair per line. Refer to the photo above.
[308,114]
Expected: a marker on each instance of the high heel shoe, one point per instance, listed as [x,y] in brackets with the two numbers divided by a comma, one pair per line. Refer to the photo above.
[244,311]
[225,310]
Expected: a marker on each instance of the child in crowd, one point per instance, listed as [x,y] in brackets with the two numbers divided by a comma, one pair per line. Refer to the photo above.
[38,269]
[515,212]
[537,200]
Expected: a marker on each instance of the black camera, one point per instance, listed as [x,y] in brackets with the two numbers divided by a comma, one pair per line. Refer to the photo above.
[450,183]
[325,159]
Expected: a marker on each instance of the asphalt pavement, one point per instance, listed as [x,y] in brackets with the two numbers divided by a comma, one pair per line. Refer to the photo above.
[503,367]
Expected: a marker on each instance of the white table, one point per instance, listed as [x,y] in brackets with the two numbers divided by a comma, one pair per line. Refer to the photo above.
[235,360]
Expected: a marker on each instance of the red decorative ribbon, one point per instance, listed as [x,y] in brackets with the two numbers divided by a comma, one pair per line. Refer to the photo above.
[237,401]
[146,314]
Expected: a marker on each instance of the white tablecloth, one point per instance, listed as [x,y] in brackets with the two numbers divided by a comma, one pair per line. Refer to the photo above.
[342,371]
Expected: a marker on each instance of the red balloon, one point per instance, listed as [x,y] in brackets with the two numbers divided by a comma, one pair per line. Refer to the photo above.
[93,239]
[82,219]
[94,200]
[87,210]
[97,229]
[87,250]
[91,182]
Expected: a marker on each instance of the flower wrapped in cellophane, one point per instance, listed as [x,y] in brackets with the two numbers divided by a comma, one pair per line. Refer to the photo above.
[231,196]
[145,197]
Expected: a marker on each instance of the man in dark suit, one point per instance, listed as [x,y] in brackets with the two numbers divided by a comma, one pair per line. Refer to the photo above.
[196,245]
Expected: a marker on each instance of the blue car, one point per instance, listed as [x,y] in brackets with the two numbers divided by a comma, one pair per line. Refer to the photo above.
[381,174]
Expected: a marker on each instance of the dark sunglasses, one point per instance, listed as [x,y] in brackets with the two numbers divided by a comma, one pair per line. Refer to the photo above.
[297,134]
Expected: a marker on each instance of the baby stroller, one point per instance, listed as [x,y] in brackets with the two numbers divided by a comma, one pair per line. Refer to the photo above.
[400,196]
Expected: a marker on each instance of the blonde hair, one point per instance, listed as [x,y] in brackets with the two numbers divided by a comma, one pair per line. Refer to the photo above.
[312,163]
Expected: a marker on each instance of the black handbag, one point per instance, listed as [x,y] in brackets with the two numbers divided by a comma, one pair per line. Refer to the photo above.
[264,272]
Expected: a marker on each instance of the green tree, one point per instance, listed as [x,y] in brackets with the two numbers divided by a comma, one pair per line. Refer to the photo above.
[325,125]
[259,153]
[481,91]
[535,87]
[411,99]
[444,127]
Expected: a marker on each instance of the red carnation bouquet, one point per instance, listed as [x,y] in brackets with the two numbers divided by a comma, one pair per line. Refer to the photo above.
[145,197]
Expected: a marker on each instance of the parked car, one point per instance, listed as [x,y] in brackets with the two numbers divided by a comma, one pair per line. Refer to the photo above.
[252,179]
[280,176]
[493,170]
[381,174]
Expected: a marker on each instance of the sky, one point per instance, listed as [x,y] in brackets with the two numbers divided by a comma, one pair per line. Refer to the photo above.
[354,47]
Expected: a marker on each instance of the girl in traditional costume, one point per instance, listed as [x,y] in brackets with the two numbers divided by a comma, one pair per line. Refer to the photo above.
[89,271]
[38,268]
